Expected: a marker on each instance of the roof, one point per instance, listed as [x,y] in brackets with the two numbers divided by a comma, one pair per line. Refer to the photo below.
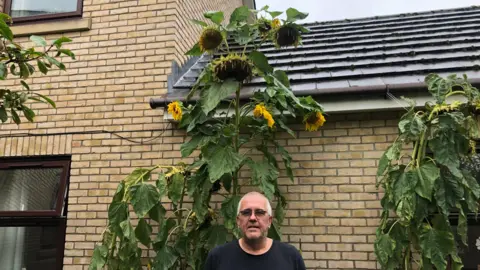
[366,54]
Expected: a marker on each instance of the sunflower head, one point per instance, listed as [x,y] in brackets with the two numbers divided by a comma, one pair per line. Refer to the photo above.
[313,121]
[232,66]
[175,109]
[264,26]
[261,111]
[287,35]
[210,39]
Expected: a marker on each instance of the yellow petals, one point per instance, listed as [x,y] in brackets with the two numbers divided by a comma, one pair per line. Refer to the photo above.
[175,109]
[276,23]
[314,121]
[261,111]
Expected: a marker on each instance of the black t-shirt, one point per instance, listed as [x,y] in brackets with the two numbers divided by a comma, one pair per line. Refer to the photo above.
[230,256]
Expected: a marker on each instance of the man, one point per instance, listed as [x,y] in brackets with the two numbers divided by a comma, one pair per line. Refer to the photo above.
[254,251]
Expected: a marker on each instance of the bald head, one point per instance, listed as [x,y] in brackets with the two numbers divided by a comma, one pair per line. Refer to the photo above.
[255,194]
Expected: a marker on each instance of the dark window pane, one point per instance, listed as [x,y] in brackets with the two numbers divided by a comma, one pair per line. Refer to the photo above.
[24,8]
[30,247]
[29,189]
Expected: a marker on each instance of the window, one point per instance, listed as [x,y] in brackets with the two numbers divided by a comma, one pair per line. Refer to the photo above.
[33,10]
[33,210]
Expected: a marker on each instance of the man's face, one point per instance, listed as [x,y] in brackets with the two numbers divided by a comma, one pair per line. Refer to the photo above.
[253,219]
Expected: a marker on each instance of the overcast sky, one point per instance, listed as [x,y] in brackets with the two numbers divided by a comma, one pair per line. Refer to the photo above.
[325,10]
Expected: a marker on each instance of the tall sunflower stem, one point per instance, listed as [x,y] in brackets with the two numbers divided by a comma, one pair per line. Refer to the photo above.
[237,135]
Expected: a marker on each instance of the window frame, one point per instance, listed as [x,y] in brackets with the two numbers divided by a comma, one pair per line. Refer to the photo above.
[62,189]
[77,13]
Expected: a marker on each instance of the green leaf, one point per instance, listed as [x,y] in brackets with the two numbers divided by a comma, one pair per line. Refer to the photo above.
[144,197]
[287,160]
[444,150]
[462,224]
[229,211]
[127,230]
[217,235]
[211,96]
[412,127]
[428,173]
[3,114]
[195,50]
[117,212]
[175,187]
[187,148]
[264,174]
[15,116]
[436,245]
[448,191]
[282,77]
[204,24]
[28,113]
[165,258]
[261,62]
[157,212]
[294,15]
[201,199]
[471,183]
[405,185]
[221,160]
[3,71]
[40,41]
[99,258]
[384,248]
[275,14]
[138,175]
[240,14]
[438,87]
[55,62]
[214,16]
[5,31]
[67,52]
[47,99]
[161,184]
[42,67]
[24,84]
[143,232]
[59,42]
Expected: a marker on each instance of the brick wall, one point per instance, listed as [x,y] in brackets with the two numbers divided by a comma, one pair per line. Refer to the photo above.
[121,63]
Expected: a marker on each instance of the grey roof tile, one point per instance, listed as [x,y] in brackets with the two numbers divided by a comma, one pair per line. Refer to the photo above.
[370,52]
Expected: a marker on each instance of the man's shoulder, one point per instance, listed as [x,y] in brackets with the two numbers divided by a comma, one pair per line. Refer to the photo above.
[223,248]
[287,248]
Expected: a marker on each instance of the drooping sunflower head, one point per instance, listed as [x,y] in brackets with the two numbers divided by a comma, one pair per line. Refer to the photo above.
[233,66]
[313,121]
[264,25]
[287,35]
[210,39]
[175,109]
[261,111]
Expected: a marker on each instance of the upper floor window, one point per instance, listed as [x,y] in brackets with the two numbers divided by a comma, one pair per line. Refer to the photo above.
[33,10]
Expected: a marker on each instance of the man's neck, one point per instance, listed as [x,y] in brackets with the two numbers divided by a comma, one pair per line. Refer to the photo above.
[257,246]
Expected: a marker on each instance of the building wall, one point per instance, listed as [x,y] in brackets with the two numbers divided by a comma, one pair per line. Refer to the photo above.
[122,62]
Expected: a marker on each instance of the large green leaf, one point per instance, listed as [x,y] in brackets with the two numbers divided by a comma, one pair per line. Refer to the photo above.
[127,230]
[119,193]
[229,211]
[188,147]
[265,175]
[406,209]
[448,191]
[436,245]
[221,160]
[157,212]
[444,150]
[201,196]
[240,14]
[294,15]
[287,159]
[138,175]
[384,248]
[212,95]
[165,258]
[405,185]
[261,62]
[144,197]
[471,183]
[217,235]
[462,224]
[59,42]
[143,232]
[40,41]
[438,87]
[412,127]
[428,173]
[99,258]
[5,31]
[214,16]
[391,154]
[195,50]
[282,77]
[117,212]
[3,114]
[175,187]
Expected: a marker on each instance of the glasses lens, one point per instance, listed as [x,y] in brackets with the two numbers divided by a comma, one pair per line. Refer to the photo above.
[248,212]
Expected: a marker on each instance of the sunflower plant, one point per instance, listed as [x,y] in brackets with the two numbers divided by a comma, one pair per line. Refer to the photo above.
[427,187]
[229,132]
